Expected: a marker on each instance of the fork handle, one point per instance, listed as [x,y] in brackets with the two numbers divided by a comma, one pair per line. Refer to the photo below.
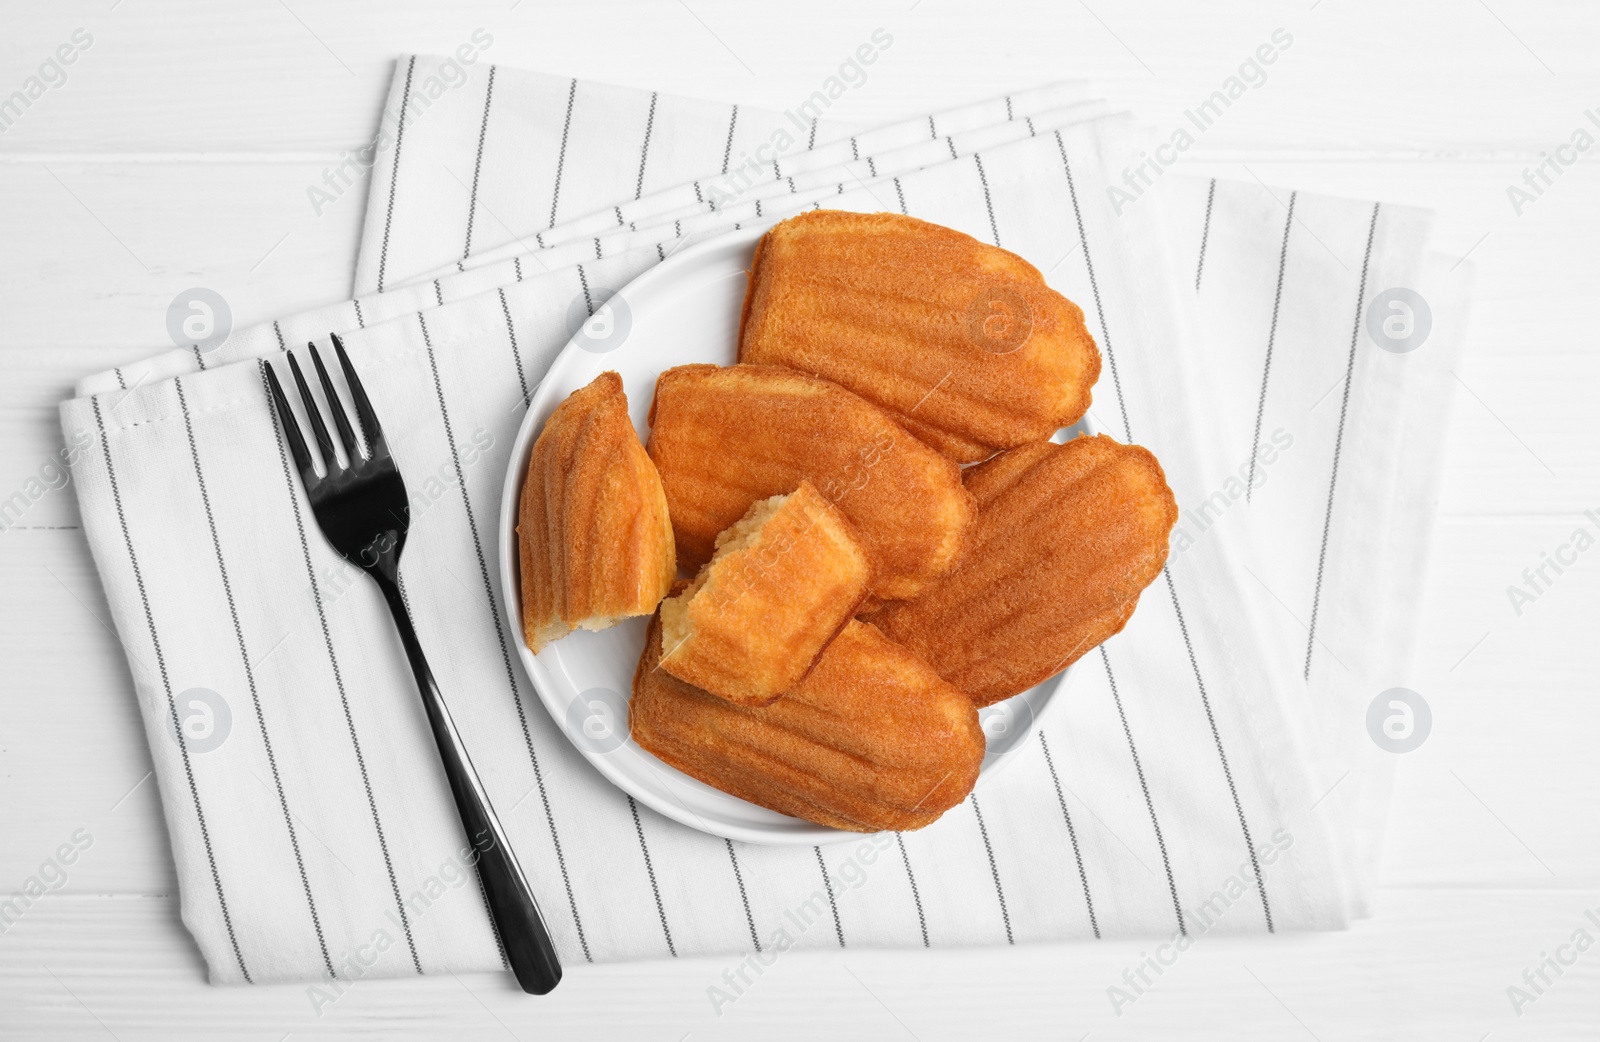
[521,928]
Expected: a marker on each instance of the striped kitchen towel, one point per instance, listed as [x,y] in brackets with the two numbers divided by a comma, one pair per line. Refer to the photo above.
[1364,560]
[1330,332]
[486,120]
[314,838]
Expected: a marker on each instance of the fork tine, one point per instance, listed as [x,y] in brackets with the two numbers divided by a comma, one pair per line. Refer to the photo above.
[377,448]
[346,435]
[314,414]
[291,430]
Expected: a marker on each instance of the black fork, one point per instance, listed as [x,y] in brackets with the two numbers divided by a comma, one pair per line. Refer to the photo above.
[362,510]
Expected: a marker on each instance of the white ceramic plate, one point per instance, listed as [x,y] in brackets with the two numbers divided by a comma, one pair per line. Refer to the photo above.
[684,310]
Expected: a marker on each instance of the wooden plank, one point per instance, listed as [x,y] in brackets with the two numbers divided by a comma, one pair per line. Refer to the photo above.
[1434,965]
[178,154]
[110,244]
[163,76]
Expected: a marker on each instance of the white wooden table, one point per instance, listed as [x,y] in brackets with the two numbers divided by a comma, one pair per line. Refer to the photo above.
[177,154]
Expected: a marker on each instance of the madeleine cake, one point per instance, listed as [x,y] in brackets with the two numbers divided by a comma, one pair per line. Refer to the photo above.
[595,542]
[871,739]
[784,579]
[723,438]
[962,342]
[1067,538]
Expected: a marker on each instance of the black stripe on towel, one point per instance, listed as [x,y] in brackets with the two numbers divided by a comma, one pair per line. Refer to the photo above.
[394,170]
[727,150]
[644,848]
[500,634]
[561,158]
[588,299]
[916,896]
[1094,286]
[827,881]
[1205,234]
[1272,337]
[1338,441]
[1072,834]
[250,678]
[738,877]
[644,150]
[1216,737]
[166,684]
[901,195]
[1166,863]
[477,166]
[988,201]
[516,353]
[994,869]
[338,675]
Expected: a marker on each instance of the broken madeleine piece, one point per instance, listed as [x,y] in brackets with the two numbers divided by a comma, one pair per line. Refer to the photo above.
[595,542]
[783,581]
[962,342]
[1067,538]
[723,438]
[871,739]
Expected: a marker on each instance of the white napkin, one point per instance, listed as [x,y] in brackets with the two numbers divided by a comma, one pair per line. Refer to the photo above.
[313,857]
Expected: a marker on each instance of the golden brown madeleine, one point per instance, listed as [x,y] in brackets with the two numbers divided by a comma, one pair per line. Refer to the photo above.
[961,341]
[724,438]
[871,739]
[594,537]
[1067,538]
[785,578]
